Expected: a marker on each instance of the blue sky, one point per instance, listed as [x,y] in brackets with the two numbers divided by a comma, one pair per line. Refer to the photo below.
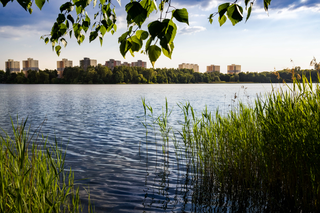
[291,30]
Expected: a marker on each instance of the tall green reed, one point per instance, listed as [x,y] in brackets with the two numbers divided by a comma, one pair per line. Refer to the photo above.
[33,176]
[270,150]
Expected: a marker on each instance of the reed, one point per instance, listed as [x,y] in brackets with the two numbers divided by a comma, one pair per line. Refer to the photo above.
[33,176]
[270,151]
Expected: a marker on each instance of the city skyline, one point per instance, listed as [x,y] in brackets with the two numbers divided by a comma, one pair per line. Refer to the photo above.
[263,43]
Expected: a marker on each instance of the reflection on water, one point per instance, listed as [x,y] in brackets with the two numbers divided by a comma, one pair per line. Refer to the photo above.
[107,146]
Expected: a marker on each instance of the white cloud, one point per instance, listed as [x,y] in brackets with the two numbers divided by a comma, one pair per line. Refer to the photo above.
[16,33]
[285,13]
[191,30]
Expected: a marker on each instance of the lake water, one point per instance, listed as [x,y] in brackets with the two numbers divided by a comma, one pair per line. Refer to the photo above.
[101,124]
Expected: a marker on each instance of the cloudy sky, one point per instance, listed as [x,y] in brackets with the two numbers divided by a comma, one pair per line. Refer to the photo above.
[291,30]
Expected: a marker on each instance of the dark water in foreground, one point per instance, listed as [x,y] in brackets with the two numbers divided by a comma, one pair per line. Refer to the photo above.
[107,142]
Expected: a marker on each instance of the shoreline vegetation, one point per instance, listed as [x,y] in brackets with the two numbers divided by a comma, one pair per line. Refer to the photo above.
[33,175]
[139,75]
[259,158]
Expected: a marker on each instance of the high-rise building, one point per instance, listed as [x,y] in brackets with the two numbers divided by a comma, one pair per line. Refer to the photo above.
[139,63]
[126,64]
[12,66]
[213,68]
[112,63]
[195,67]
[233,69]
[30,64]
[61,65]
[86,62]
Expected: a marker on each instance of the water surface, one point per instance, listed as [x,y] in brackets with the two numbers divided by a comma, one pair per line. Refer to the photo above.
[106,142]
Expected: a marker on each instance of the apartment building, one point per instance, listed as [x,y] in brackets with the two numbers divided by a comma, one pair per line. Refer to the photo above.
[213,68]
[233,69]
[195,67]
[139,63]
[61,65]
[87,62]
[12,66]
[126,64]
[30,64]
[112,63]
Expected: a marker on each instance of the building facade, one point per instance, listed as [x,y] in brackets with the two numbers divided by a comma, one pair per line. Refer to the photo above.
[111,64]
[139,63]
[233,69]
[87,62]
[30,64]
[213,68]
[61,65]
[195,67]
[12,66]
[126,64]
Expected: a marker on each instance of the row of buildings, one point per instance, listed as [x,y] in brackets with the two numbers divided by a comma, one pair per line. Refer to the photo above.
[231,69]
[30,64]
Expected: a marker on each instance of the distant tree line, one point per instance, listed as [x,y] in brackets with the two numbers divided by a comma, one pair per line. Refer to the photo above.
[139,75]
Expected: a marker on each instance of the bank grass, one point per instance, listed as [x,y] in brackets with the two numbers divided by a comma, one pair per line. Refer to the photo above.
[33,176]
[269,153]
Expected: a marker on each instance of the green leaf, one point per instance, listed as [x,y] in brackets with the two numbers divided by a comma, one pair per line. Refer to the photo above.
[155,28]
[154,53]
[171,30]
[246,2]
[102,2]
[46,40]
[222,9]
[168,50]
[136,43]
[266,4]
[40,3]
[85,26]
[249,12]
[149,43]
[4,2]
[61,18]
[58,49]
[103,30]
[94,3]
[26,4]
[181,15]
[101,40]
[234,14]
[123,37]
[161,6]
[124,47]
[149,5]
[70,18]
[66,6]
[77,29]
[136,13]
[81,39]
[93,36]
[64,42]
[141,34]
[222,20]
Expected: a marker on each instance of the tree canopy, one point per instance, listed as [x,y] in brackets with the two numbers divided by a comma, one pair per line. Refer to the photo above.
[73,20]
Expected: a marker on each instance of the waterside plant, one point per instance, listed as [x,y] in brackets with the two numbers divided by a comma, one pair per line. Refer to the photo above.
[259,158]
[33,176]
